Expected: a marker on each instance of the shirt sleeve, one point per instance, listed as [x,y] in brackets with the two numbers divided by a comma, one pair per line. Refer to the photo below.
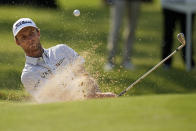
[30,83]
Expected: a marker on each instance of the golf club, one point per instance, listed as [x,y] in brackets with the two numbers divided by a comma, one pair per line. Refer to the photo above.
[181,39]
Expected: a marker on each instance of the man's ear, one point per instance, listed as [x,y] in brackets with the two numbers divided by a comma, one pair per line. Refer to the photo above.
[17,42]
[38,31]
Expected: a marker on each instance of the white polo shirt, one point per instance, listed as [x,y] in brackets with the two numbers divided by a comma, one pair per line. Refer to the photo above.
[38,70]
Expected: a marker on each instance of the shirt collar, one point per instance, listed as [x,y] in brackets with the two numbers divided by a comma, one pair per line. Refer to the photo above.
[33,60]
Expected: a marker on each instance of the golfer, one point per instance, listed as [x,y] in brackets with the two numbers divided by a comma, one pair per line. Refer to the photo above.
[42,63]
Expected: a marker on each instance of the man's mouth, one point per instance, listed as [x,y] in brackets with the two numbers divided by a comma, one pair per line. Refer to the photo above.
[33,46]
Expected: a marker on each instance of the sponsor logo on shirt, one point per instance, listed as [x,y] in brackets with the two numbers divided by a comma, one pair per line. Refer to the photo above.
[37,84]
[45,74]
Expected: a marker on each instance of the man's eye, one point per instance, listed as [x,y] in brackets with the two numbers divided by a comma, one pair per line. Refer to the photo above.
[23,38]
[32,33]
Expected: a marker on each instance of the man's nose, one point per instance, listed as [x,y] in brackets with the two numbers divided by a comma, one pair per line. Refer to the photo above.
[30,38]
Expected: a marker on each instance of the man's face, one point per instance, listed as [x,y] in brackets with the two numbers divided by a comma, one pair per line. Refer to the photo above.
[29,39]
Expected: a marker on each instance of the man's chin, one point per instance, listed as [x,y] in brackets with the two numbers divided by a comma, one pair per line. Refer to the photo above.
[35,50]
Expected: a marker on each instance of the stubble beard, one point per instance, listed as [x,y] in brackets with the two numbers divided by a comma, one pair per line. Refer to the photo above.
[36,50]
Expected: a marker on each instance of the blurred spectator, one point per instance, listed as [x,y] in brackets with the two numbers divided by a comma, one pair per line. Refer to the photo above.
[118,8]
[170,18]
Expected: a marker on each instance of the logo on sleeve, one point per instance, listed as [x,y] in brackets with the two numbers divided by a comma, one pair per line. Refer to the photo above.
[59,63]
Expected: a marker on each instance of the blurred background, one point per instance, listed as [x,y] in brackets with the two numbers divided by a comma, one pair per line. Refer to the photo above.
[88,35]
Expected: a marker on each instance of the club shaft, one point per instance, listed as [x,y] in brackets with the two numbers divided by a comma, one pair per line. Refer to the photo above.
[151,70]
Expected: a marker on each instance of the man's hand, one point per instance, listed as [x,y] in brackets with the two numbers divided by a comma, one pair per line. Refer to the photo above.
[105,95]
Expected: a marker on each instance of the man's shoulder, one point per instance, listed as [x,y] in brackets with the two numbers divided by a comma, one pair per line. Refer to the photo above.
[62,50]
[59,47]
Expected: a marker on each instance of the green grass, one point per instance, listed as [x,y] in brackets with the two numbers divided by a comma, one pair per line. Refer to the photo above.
[87,34]
[139,113]
[163,101]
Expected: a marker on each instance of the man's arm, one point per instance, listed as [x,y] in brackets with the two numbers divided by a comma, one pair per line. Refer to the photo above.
[104,94]
[30,84]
